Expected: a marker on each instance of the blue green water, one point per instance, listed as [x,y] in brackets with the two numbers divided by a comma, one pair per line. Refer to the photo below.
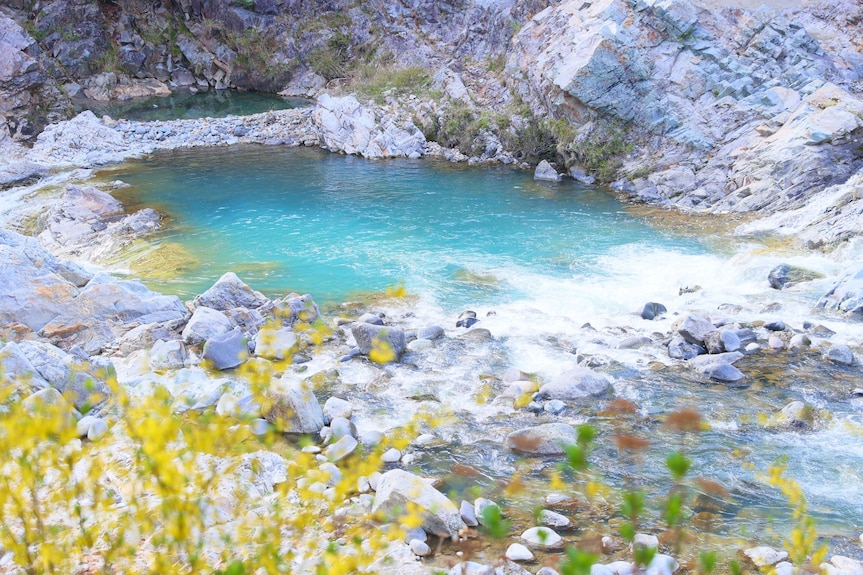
[334,225]
[188,105]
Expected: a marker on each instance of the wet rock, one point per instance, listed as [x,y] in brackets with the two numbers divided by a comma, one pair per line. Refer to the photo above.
[432,332]
[545,439]
[554,520]
[799,341]
[230,292]
[785,275]
[371,318]
[679,348]
[694,329]
[226,351]
[374,337]
[170,354]
[574,384]
[634,342]
[725,373]
[840,353]
[293,407]
[398,488]
[480,506]
[542,538]
[546,173]
[794,416]
[652,310]
[468,514]
[204,324]
[466,319]
[775,325]
[846,296]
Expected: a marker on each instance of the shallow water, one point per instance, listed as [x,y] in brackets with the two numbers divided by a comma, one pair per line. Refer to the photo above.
[537,263]
[188,105]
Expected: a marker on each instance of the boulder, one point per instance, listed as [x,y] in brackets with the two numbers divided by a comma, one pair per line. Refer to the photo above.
[230,292]
[542,538]
[546,173]
[652,310]
[840,353]
[576,383]
[227,350]
[77,381]
[371,337]
[679,348]
[545,439]
[846,296]
[168,354]
[794,416]
[204,324]
[694,328]
[14,366]
[398,488]
[276,344]
[293,407]
[337,407]
[296,308]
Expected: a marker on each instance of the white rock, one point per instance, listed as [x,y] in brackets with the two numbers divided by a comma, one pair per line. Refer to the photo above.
[83,425]
[518,552]
[397,488]
[554,520]
[97,429]
[479,507]
[763,556]
[847,564]
[542,537]
[662,565]
[420,548]
[622,567]
[341,448]
[338,407]
[391,455]
[645,540]
[600,569]
[468,514]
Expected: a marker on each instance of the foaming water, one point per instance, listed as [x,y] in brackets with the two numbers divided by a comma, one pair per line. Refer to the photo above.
[557,274]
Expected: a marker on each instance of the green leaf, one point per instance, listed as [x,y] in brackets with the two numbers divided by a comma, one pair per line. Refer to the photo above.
[735,568]
[633,504]
[586,433]
[673,509]
[494,523]
[678,464]
[577,562]
[706,562]
[644,555]
[576,458]
[627,531]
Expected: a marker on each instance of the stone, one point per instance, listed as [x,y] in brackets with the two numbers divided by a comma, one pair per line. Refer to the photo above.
[785,275]
[296,308]
[554,407]
[15,366]
[679,348]
[204,324]
[554,520]
[381,339]
[794,416]
[276,344]
[345,446]
[846,296]
[170,354]
[634,342]
[518,552]
[229,292]
[419,548]
[471,568]
[83,425]
[840,353]
[725,373]
[480,505]
[397,488]
[341,427]
[652,310]
[599,569]
[97,429]
[371,318]
[80,383]
[546,173]
[645,541]
[774,325]
[468,514]
[730,340]
[694,328]
[226,351]
[574,384]
[337,407]
[545,439]
[294,407]
[542,538]
[391,455]
[764,556]
[661,565]
[47,402]
[431,332]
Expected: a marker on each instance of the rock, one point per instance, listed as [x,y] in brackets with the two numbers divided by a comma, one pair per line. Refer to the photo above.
[204,324]
[389,342]
[545,439]
[337,407]
[97,429]
[420,345]
[846,296]
[554,520]
[634,342]
[468,514]
[840,353]
[725,373]
[480,506]
[784,275]
[419,548]
[432,332]
[794,416]
[341,427]
[730,340]
[518,552]
[345,446]
[598,569]
[226,351]
[542,538]
[371,318]
[294,407]
[775,325]
[652,310]
[15,367]
[847,565]
[47,402]
[397,488]
[170,354]
[764,556]
[276,344]
[296,308]
[229,292]
[679,348]
[547,571]
[391,455]
[799,341]
[471,568]
[694,329]
[661,565]
[645,541]
[574,384]
[83,425]
[80,383]
[554,407]
[546,173]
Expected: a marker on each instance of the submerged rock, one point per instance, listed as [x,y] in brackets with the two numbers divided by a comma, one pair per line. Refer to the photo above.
[784,275]
[546,439]
[576,383]
[846,296]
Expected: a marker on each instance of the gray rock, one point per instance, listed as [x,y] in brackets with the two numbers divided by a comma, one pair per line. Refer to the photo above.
[229,292]
[397,488]
[775,325]
[468,514]
[341,427]
[545,439]
[840,353]
[97,429]
[293,407]
[725,373]
[679,348]
[694,328]
[47,402]
[371,318]
[15,367]
[846,296]
[546,173]
[794,416]
[730,340]
[77,381]
[518,552]
[784,275]
[276,344]
[652,310]
[574,384]
[204,324]
[169,354]
[764,556]
[226,351]
[296,308]
[554,407]
[431,332]
[554,520]
[370,337]
[419,548]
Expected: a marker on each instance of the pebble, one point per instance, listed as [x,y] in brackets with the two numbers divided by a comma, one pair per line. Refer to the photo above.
[391,455]
[97,429]
[555,407]
[518,552]
[468,514]
[763,556]
[644,540]
[542,537]
[554,520]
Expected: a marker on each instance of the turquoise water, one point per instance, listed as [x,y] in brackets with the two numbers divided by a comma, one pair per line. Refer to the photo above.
[189,105]
[331,225]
